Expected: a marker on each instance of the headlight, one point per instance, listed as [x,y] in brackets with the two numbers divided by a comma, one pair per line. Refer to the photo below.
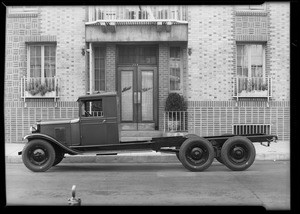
[33,128]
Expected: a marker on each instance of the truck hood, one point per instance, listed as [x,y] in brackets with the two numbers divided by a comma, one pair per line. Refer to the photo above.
[57,121]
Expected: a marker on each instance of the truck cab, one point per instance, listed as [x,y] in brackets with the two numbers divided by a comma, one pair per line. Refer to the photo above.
[98,116]
[98,120]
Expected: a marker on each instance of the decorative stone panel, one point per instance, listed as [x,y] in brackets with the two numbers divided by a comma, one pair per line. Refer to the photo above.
[251,26]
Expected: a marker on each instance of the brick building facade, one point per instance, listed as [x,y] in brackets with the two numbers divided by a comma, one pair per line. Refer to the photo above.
[209,54]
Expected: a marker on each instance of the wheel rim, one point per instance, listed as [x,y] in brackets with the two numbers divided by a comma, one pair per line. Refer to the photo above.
[38,155]
[238,154]
[197,155]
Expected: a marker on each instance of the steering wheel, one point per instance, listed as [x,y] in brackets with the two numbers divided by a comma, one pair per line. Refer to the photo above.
[87,114]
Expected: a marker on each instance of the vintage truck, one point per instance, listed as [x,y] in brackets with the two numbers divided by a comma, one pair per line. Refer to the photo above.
[97,131]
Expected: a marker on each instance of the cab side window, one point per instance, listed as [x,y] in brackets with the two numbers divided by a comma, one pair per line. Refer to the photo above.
[93,108]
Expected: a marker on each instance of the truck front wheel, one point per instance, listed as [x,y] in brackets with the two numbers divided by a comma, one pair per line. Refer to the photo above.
[238,153]
[58,157]
[38,155]
[196,154]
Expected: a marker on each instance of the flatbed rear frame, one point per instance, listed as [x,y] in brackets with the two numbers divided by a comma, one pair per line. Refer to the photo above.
[157,144]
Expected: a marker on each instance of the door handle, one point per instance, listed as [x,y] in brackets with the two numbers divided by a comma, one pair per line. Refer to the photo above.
[137,97]
[103,121]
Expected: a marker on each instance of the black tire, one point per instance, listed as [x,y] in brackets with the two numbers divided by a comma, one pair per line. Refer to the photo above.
[219,159]
[238,153]
[58,158]
[38,155]
[177,155]
[191,136]
[196,154]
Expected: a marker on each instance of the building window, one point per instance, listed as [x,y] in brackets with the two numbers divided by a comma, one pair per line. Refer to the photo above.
[99,54]
[42,61]
[175,70]
[252,80]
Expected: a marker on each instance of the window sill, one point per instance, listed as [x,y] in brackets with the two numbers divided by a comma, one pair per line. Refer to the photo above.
[255,93]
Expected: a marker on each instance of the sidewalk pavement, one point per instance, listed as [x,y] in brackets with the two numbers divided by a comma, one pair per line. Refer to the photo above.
[276,151]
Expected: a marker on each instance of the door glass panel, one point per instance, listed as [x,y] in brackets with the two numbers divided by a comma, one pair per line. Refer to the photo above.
[147,95]
[126,95]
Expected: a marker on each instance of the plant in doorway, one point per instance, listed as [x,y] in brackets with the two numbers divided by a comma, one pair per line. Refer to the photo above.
[175,109]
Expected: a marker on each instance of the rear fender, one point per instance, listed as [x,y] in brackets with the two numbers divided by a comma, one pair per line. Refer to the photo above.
[52,141]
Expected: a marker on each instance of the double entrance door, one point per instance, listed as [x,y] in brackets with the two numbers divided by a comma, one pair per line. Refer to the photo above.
[137,88]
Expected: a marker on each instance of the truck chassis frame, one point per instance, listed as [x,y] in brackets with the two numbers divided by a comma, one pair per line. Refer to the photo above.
[194,152]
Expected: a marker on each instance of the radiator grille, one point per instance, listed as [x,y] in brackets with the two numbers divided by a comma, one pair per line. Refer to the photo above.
[240,129]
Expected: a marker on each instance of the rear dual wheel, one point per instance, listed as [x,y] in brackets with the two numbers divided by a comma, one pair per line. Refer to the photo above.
[238,153]
[186,136]
[196,154]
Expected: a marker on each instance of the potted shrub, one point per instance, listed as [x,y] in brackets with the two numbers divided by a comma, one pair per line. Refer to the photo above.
[174,103]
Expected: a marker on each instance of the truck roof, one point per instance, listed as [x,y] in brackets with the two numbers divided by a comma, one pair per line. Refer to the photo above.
[96,96]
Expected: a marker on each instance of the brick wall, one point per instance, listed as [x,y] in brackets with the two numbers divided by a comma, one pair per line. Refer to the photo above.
[18,119]
[278,49]
[210,65]
[163,80]
[208,71]
[68,25]
[111,67]
[212,35]
[18,27]
[63,25]
[217,117]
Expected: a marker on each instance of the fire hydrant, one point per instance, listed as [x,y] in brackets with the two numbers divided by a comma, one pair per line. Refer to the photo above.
[74,201]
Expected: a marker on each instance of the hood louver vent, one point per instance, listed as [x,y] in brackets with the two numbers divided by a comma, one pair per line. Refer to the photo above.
[60,134]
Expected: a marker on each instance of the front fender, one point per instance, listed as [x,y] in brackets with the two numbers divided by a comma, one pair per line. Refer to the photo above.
[51,140]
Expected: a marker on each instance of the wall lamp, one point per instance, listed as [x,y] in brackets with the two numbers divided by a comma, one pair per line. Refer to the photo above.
[190,51]
[82,51]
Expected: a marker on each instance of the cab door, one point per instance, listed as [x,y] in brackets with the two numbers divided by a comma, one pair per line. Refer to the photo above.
[93,125]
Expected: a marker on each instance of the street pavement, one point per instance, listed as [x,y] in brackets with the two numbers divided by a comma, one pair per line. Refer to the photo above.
[266,183]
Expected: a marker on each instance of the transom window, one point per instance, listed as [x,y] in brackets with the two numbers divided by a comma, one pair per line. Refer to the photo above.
[144,55]
[175,66]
